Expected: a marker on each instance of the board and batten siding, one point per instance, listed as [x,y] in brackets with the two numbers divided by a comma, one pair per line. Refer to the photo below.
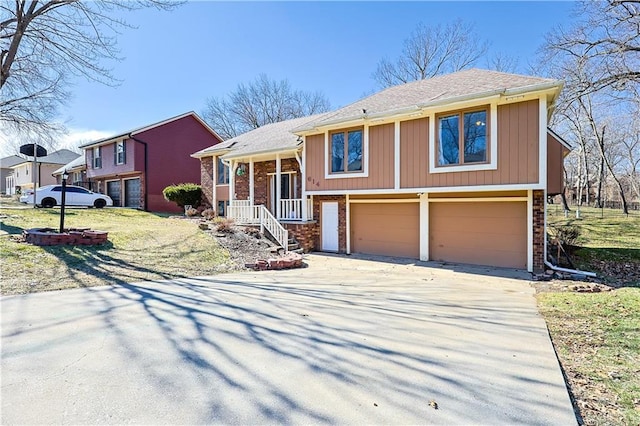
[381,167]
[517,152]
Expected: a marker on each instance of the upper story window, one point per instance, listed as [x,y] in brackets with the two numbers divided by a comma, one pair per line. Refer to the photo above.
[26,170]
[223,173]
[462,137]
[346,151]
[121,153]
[97,157]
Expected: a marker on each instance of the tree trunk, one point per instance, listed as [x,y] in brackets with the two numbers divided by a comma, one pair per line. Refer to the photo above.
[598,202]
[600,144]
[563,195]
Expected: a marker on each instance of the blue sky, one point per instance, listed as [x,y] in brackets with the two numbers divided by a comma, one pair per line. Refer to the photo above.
[175,60]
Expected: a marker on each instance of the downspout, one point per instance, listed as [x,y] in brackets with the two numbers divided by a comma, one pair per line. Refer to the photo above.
[146,175]
[570,271]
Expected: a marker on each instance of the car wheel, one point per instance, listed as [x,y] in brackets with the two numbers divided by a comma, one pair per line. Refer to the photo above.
[48,203]
[99,203]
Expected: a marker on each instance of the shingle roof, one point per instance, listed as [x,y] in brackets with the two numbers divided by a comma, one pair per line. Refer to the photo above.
[62,156]
[271,137]
[74,164]
[441,89]
[10,161]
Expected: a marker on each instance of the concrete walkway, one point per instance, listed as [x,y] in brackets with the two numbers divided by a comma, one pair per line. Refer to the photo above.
[346,341]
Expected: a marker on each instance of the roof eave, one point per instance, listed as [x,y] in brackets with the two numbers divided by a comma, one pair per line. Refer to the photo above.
[261,152]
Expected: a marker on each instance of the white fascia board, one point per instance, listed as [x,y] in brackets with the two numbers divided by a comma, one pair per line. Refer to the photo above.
[232,156]
[202,154]
[474,188]
[560,139]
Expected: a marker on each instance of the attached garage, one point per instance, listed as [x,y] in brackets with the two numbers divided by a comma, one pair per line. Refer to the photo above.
[480,233]
[132,193]
[113,191]
[389,229]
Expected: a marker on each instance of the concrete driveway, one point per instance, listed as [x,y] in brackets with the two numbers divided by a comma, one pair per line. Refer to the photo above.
[345,341]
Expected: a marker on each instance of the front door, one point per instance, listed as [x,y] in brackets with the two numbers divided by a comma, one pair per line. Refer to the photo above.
[287,190]
[330,226]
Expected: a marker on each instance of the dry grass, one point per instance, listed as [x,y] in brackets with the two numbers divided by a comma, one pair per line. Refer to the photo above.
[597,335]
[141,246]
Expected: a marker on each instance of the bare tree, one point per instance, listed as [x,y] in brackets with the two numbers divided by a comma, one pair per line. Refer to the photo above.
[607,36]
[262,101]
[502,62]
[44,43]
[430,51]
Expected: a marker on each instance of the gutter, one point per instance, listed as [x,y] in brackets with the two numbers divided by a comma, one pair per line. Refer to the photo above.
[146,175]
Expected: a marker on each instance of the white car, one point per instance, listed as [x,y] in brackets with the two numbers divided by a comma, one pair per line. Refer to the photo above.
[51,195]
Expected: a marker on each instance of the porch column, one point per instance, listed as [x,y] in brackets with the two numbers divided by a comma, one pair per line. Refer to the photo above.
[231,181]
[303,180]
[278,185]
[251,183]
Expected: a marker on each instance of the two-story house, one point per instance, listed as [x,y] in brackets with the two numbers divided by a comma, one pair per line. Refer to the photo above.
[25,173]
[133,167]
[455,168]
[7,185]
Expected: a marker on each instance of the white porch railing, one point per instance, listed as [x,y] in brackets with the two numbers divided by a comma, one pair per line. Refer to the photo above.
[243,212]
[295,209]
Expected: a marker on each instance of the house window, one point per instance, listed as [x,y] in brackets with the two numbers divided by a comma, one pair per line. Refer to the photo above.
[222,208]
[121,153]
[223,173]
[97,157]
[346,151]
[462,138]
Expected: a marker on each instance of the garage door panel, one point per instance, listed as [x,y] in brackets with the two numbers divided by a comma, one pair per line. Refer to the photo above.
[482,233]
[385,229]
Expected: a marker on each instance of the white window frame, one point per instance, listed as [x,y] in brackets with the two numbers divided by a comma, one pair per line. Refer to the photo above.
[96,150]
[124,153]
[365,155]
[492,163]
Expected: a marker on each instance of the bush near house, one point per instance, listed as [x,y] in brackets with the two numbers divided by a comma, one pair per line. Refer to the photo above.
[183,194]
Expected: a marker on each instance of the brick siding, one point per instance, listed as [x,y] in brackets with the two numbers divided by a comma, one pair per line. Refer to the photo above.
[261,172]
[305,233]
[342,219]
[206,180]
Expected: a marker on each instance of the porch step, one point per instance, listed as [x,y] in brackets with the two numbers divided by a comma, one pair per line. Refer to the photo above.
[298,250]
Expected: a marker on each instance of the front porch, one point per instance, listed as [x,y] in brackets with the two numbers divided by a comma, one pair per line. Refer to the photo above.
[271,193]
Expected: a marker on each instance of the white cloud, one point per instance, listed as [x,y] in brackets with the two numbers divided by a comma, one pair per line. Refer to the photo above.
[77,137]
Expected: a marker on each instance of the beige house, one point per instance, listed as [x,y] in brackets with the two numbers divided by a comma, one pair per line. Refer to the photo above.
[27,172]
[456,168]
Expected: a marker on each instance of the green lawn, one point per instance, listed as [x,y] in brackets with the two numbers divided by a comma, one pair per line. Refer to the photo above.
[609,244]
[597,335]
[141,246]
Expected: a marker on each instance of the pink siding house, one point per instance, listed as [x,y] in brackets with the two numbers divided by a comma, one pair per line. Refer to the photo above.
[134,167]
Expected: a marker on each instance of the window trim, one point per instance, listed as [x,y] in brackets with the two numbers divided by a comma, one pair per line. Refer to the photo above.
[124,153]
[94,163]
[328,174]
[460,114]
[492,140]
[225,169]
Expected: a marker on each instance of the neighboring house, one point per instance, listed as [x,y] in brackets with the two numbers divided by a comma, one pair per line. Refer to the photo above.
[134,167]
[7,185]
[77,171]
[26,172]
[455,168]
